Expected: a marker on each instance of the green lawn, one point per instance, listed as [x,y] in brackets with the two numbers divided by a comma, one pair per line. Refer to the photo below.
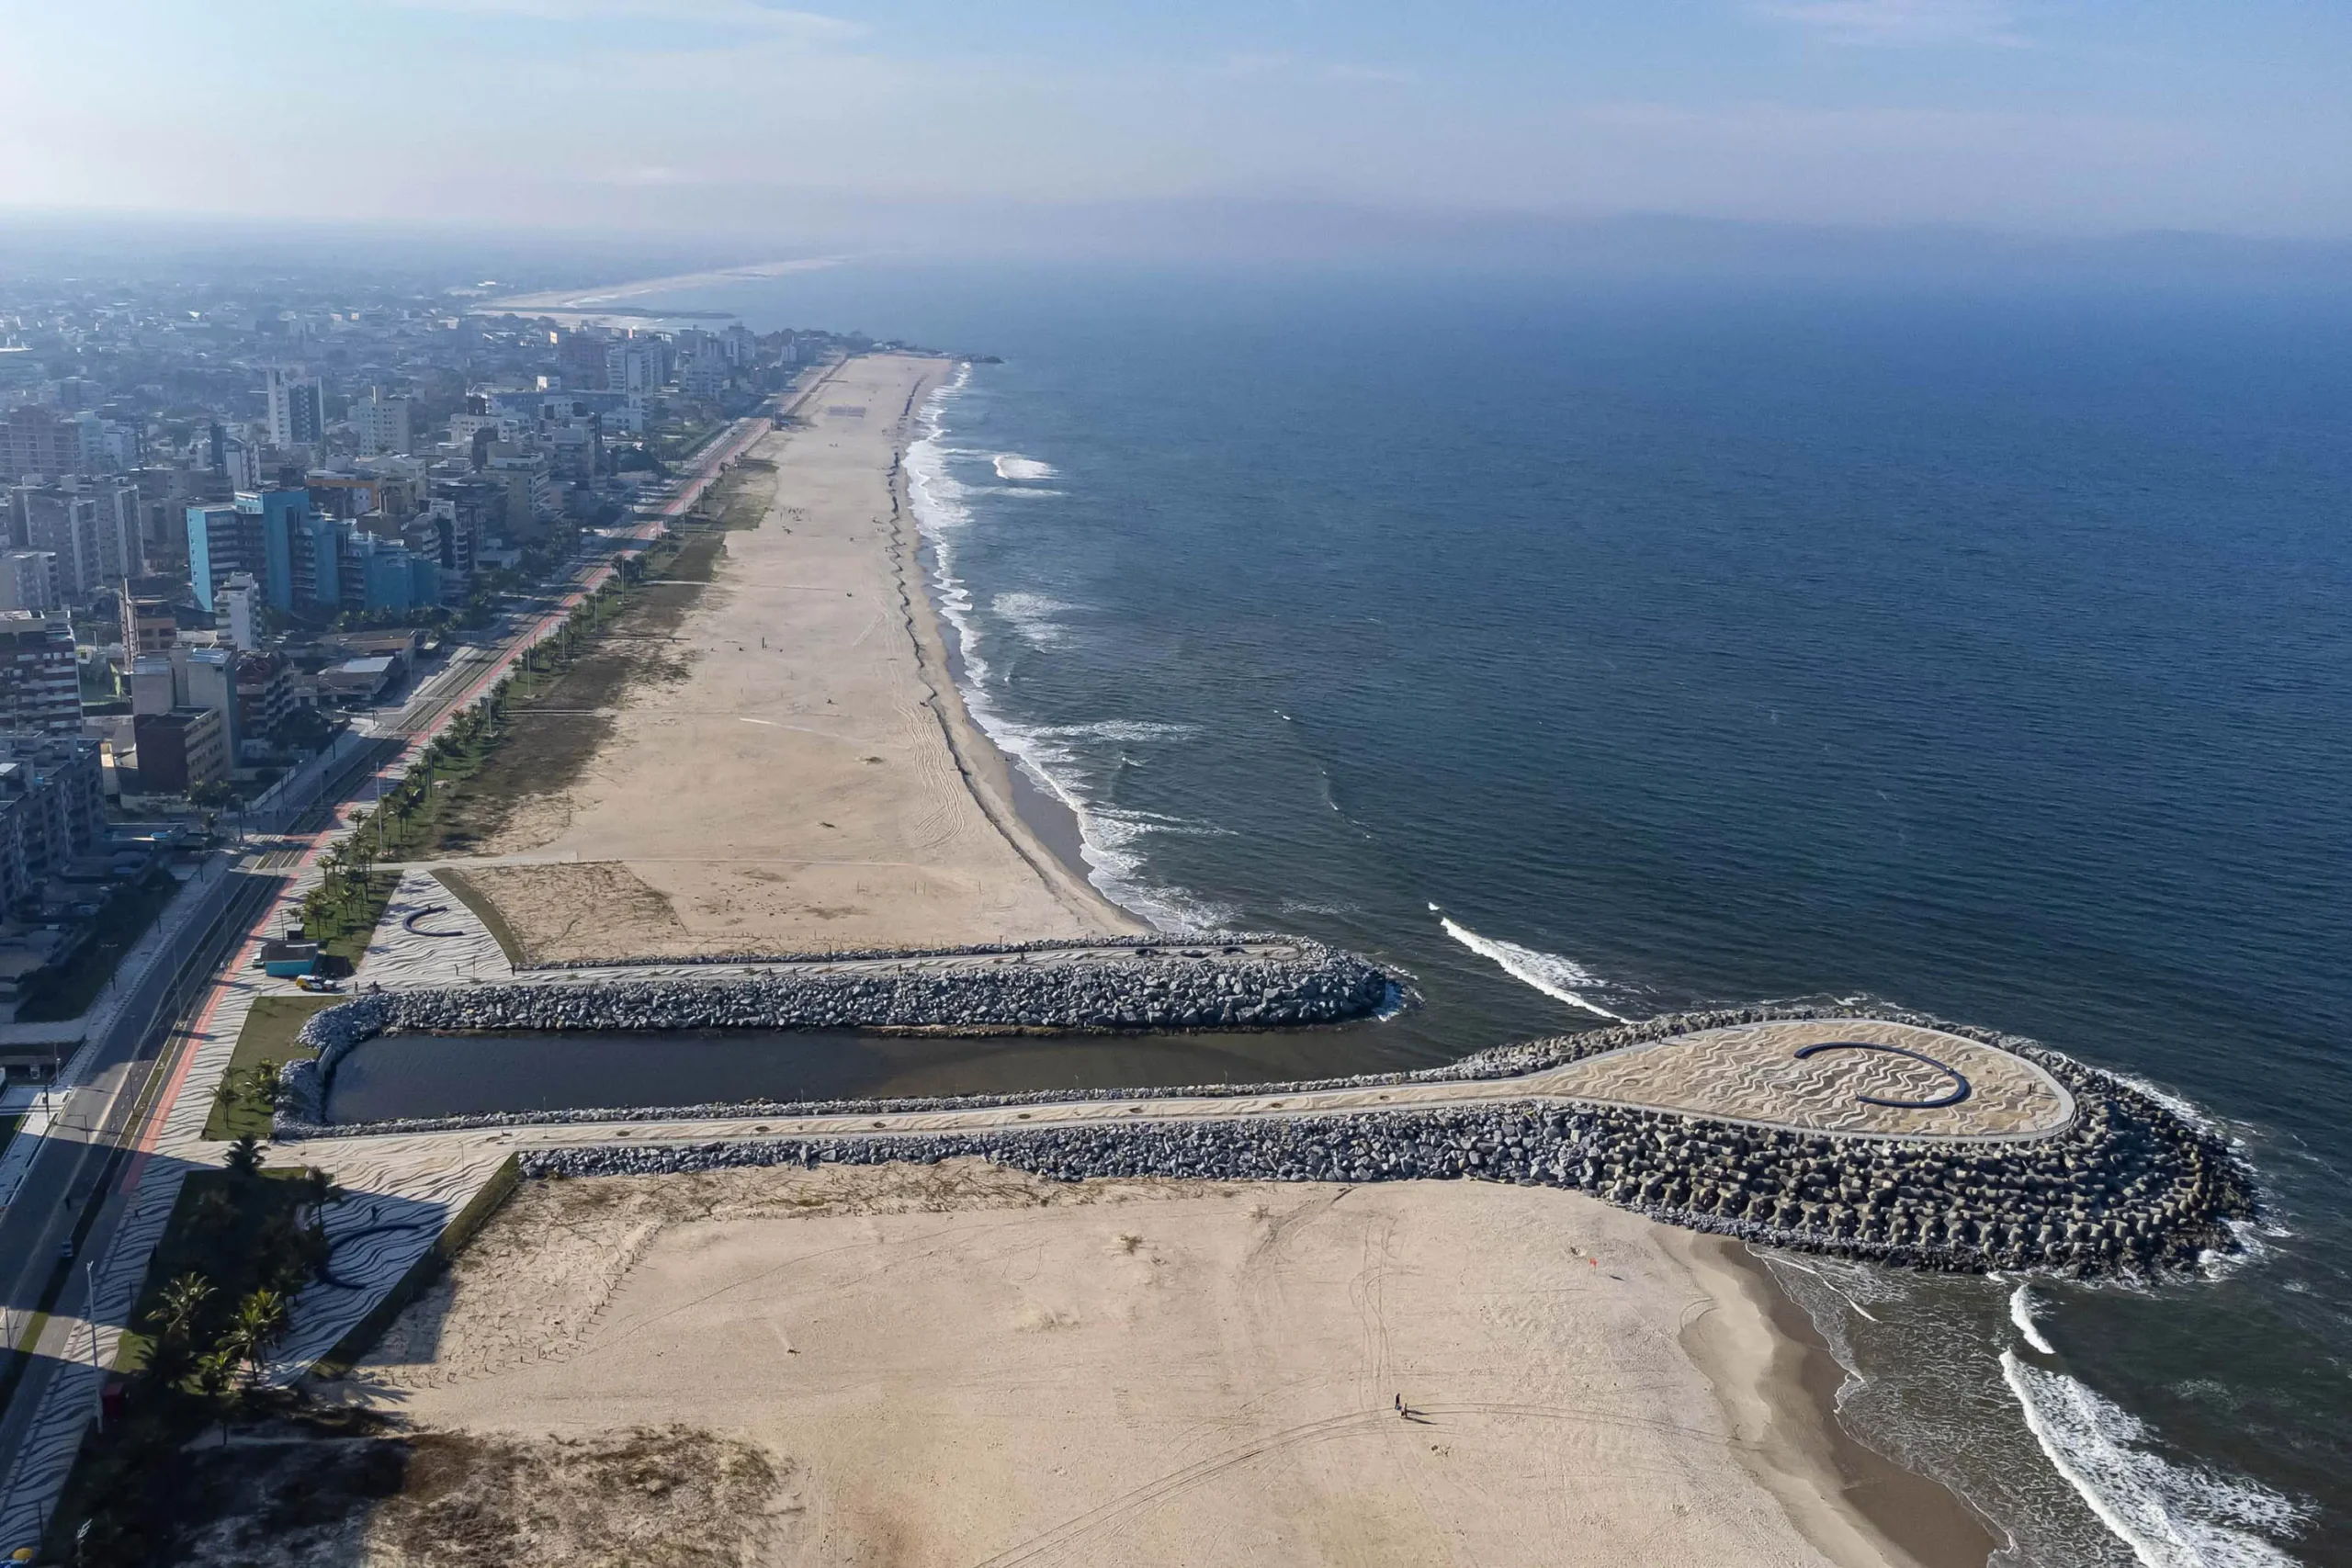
[347,930]
[220,1237]
[267,1036]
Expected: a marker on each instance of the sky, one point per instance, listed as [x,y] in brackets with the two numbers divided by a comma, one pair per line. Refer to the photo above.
[931,123]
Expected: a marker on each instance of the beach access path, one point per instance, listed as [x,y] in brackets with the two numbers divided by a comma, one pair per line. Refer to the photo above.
[804,776]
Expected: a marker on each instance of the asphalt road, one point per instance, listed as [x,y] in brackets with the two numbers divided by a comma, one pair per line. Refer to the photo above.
[70,1192]
[91,1139]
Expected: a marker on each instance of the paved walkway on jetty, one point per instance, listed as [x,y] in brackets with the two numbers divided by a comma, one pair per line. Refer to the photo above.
[1750,1075]
[417,950]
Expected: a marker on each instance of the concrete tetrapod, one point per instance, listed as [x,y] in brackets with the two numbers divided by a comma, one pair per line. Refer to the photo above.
[2082,1174]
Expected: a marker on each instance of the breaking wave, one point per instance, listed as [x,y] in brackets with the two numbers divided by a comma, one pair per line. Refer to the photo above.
[1053,756]
[2021,1315]
[2170,1515]
[1032,614]
[1562,979]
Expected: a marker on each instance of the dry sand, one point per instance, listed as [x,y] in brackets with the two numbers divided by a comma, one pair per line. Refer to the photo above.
[812,782]
[962,1365]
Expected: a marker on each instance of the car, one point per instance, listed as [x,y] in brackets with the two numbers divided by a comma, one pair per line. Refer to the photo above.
[65,1250]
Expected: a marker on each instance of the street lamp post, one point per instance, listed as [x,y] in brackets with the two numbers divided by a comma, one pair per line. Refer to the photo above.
[90,1311]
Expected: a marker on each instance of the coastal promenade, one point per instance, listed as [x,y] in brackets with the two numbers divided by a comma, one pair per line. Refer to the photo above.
[106,1172]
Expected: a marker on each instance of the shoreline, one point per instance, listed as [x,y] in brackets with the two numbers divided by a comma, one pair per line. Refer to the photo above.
[1851,1502]
[1046,831]
[586,302]
[1842,1495]
[838,795]
[1059,829]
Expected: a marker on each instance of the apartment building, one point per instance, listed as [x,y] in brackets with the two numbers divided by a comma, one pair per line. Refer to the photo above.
[40,682]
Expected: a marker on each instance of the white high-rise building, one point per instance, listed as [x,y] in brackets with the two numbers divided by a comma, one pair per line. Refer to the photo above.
[634,365]
[238,603]
[121,553]
[298,415]
[382,424]
[66,523]
[29,580]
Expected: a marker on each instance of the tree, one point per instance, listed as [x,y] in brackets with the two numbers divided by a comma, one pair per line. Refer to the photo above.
[217,1367]
[173,1314]
[319,1188]
[213,1211]
[261,1318]
[245,1156]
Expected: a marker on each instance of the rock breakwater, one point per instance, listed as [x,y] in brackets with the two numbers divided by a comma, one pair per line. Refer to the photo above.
[2121,1198]
[1143,988]
[2126,1187]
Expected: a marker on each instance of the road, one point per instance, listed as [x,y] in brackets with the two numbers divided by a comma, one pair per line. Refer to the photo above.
[69,1191]
[74,1189]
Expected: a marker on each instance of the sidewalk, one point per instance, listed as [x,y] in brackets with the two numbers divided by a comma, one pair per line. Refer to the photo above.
[403,1197]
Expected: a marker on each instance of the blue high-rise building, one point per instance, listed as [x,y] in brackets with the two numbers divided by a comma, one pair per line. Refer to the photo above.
[221,541]
[285,517]
[318,563]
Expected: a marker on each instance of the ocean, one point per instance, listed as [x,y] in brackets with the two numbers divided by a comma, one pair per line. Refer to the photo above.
[1597,649]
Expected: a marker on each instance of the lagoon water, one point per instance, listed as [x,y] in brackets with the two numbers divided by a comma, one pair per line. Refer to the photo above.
[428,1074]
[1603,650]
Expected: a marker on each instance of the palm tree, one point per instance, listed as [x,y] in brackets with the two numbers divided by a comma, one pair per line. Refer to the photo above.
[213,1211]
[218,1366]
[261,1318]
[245,1156]
[318,1189]
[177,1303]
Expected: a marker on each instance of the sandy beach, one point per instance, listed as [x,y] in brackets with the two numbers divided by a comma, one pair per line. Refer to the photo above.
[590,304]
[805,779]
[960,1364]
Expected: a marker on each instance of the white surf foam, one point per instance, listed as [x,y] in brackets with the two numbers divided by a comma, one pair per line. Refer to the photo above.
[1136,729]
[2186,1110]
[2022,1313]
[1049,755]
[1032,614]
[1013,465]
[1562,979]
[2170,1515]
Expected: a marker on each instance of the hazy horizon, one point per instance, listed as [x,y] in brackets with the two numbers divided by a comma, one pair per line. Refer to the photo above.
[1496,130]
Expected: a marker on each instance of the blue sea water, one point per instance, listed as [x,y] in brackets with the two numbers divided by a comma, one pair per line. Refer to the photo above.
[1600,649]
